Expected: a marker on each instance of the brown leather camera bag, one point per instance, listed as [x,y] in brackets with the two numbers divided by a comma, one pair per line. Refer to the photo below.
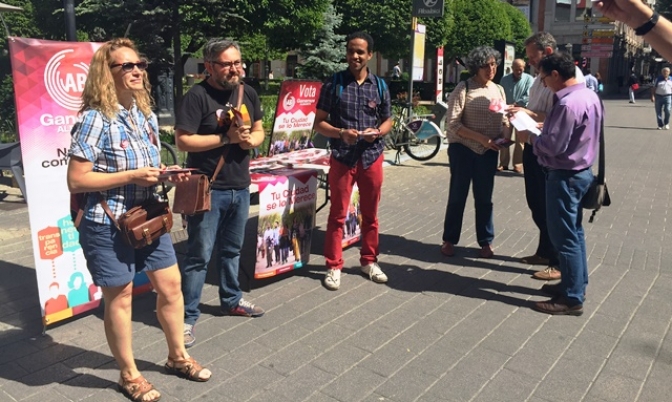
[142,225]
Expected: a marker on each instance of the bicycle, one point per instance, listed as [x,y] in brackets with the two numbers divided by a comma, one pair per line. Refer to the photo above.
[418,135]
[169,155]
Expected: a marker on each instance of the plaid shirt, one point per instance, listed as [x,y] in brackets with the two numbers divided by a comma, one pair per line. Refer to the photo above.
[359,107]
[115,146]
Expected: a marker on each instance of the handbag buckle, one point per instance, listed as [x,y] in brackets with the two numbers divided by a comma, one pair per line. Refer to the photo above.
[145,234]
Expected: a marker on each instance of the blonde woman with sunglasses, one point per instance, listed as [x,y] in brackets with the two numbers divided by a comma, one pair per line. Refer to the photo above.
[114,154]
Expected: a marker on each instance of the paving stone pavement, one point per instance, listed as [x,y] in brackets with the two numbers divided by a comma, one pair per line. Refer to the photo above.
[442,329]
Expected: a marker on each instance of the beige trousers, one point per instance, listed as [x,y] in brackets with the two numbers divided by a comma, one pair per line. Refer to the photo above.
[505,153]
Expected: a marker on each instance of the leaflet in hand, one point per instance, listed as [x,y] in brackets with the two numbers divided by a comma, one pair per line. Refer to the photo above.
[523,122]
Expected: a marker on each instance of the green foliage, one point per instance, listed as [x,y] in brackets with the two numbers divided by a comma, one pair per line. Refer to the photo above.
[255,47]
[520,28]
[389,22]
[324,54]
[287,24]
[439,29]
[268,105]
[477,23]
[8,129]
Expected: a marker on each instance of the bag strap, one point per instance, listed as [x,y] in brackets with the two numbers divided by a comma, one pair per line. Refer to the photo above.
[220,163]
[601,162]
[106,207]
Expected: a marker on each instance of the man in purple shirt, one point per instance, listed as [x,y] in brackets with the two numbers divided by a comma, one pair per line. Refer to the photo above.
[566,149]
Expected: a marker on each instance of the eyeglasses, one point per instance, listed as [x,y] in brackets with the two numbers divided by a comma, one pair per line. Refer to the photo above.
[128,67]
[490,65]
[226,65]
[542,77]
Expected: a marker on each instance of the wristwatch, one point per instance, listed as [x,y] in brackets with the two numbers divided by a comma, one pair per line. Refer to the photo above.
[224,139]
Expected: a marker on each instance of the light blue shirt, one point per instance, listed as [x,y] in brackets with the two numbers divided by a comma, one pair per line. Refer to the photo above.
[517,92]
[591,83]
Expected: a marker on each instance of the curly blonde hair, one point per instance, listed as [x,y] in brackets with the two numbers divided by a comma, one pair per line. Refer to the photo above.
[99,90]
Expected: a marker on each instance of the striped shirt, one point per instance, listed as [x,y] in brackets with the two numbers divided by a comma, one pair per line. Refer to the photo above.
[116,146]
[471,109]
[359,107]
[541,97]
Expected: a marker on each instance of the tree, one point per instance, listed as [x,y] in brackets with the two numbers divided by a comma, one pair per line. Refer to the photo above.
[388,21]
[286,24]
[477,23]
[325,54]
[520,28]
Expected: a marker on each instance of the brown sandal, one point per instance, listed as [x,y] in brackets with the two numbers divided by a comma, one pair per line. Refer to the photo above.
[185,368]
[137,389]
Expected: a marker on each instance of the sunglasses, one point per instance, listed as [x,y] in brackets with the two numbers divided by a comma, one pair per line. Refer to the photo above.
[128,67]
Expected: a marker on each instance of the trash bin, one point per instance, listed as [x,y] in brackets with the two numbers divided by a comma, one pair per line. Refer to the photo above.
[190,79]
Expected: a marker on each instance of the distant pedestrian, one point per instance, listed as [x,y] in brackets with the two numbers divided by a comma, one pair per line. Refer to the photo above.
[517,90]
[396,72]
[661,94]
[600,85]
[567,148]
[591,81]
[633,85]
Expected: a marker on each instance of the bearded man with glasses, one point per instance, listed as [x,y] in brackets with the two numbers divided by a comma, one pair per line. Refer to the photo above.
[206,129]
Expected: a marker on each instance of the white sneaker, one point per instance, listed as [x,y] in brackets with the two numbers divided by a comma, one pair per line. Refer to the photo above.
[333,279]
[667,127]
[660,128]
[374,272]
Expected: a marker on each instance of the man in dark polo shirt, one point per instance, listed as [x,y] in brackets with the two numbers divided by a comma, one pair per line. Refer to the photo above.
[354,113]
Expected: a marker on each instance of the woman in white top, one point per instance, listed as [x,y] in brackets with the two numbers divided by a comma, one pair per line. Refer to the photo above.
[661,93]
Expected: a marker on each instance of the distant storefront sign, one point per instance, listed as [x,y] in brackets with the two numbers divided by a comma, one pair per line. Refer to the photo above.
[428,8]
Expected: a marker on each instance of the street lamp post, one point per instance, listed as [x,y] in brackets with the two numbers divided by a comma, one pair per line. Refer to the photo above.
[69,11]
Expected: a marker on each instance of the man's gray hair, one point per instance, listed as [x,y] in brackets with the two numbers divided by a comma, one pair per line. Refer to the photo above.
[542,40]
[480,56]
[216,46]
[665,68]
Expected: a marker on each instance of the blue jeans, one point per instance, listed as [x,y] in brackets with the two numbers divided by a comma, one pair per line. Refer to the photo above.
[223,226]
[564,191]
[663,103]
[466,167]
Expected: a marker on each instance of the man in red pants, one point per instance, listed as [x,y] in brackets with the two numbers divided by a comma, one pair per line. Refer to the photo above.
[354,113]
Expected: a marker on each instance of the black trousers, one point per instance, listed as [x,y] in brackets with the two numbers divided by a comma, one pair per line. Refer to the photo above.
[535,193]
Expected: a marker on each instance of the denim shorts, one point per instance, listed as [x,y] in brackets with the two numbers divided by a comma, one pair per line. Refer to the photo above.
[112,262]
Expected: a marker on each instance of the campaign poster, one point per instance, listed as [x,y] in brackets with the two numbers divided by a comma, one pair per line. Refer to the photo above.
[287,200]
[352,228]
[294,116]
[419,53]
[49,78]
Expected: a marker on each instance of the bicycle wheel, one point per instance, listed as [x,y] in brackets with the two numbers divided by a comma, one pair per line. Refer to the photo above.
[168,155]
[422,150]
